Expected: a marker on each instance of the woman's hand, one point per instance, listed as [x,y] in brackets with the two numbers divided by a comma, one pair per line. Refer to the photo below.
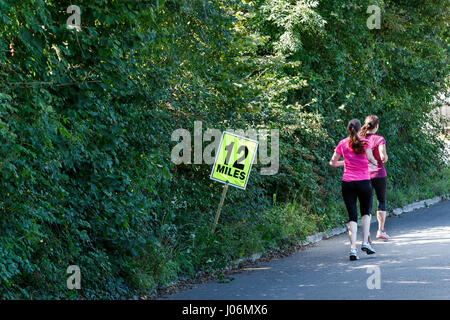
[369,155]
[340,163]
[334,161]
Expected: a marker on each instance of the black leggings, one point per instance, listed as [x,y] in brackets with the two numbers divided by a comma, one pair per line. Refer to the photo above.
[379,184]
[353,190]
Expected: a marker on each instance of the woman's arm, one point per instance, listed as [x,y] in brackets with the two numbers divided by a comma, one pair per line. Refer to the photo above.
[383,153]
[369,155]
[334,161]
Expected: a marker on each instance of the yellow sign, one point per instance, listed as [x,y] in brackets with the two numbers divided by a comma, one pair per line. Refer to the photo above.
[234,160]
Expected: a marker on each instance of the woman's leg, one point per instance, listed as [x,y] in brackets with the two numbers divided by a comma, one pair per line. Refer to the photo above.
[352,228]
[365,221]
[349,195]
[381,216]
[365,197]
[370,208]
[380,189]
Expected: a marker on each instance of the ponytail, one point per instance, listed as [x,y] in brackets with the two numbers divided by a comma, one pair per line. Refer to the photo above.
[364,129]
[354,142]
[370,123]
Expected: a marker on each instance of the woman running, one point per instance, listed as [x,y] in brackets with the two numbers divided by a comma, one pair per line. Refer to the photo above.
[356,183]
[377,173]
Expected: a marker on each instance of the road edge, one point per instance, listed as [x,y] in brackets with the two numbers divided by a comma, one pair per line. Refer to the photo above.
[314,238]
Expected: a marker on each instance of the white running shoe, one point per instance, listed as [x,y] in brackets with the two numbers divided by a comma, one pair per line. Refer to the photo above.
[354,254]
[367,247]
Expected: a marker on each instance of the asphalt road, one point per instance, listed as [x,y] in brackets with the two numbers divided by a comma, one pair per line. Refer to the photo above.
[415,264]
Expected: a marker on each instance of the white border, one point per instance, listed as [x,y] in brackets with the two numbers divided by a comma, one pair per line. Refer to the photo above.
[217,156]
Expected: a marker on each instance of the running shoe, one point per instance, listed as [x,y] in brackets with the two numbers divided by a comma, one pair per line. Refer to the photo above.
[354,254]
[367,247]
[381,234]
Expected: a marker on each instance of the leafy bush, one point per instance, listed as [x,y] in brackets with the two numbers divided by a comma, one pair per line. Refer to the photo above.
[86,119]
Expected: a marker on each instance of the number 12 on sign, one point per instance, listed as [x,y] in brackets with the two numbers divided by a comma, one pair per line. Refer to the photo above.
[234,160]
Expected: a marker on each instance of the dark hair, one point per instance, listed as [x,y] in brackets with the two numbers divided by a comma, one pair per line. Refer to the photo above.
[370,123]
[355,143]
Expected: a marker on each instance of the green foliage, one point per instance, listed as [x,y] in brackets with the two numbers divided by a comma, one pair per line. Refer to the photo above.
[86,119]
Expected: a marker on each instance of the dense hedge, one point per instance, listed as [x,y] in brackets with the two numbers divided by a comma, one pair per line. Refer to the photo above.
[86,120]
